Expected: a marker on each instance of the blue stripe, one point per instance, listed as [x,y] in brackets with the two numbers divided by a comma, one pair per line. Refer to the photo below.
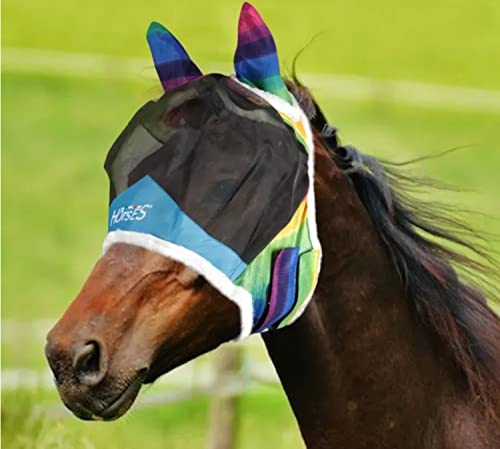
[166,48]
[146,208]
[257,69]
[174,69]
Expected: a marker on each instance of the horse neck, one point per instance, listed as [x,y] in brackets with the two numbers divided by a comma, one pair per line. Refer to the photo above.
[358,368]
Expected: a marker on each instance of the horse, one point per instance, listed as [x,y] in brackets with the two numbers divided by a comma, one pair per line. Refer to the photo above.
[398,347]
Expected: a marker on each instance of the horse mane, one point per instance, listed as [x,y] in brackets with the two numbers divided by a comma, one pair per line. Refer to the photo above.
[442,262]
[426,243]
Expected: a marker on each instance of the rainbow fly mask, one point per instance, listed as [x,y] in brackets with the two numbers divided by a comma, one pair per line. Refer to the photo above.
[218,174]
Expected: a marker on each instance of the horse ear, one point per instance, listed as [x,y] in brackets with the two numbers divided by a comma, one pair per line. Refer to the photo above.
[256,60]
[173,64]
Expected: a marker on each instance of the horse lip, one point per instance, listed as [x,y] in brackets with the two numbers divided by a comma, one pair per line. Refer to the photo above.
[124,400]
[83,414]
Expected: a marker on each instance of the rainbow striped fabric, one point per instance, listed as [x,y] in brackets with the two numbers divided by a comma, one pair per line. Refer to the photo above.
[256,59]
[292,275]
[174,66]
[294,270]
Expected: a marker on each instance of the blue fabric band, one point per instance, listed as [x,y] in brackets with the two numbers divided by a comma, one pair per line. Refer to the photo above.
[145,207]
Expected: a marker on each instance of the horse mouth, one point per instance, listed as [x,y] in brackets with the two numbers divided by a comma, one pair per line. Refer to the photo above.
[119,406]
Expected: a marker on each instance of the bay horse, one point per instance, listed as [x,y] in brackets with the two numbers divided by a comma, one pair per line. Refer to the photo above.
[397,349]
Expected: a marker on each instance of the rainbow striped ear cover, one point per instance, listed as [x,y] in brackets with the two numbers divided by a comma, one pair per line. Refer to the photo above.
[219,176]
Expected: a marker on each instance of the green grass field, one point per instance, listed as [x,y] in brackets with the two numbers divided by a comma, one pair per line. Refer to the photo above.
[265,421]
[56,132]
[451,41]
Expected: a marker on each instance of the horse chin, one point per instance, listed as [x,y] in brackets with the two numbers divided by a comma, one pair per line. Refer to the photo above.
[153,375]
[106,403]
[122,403]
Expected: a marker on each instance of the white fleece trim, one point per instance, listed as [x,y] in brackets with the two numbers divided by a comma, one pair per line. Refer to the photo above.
[241,297]
[311,212]
[295,112]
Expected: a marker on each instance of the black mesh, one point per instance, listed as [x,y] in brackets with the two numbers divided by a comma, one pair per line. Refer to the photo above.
[222,154]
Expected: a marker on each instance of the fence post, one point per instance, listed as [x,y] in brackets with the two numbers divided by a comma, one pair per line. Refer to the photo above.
[224,410]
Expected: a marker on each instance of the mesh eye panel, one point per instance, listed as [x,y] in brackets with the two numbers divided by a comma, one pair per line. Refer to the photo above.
[225,157]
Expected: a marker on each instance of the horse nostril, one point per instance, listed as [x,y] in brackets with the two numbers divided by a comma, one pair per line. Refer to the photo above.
[87,358]
[90,363]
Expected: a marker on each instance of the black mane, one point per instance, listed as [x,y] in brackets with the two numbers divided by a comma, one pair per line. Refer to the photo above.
[443,262]
[427,243]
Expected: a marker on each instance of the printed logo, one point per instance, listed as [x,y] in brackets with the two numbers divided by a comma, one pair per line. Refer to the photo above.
[129,213]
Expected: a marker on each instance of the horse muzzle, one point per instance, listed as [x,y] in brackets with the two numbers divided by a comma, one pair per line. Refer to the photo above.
[87,385]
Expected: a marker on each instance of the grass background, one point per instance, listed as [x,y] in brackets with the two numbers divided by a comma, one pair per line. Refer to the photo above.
[56,131]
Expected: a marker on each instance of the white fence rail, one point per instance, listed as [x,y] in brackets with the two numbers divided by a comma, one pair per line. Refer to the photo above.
[204,377]
[349,87]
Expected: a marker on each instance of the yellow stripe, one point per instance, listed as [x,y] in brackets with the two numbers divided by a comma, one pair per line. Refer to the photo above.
[297,125]
[299,217]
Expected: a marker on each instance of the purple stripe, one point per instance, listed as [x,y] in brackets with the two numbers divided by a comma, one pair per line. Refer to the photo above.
[275,290]
[177,82]
[256,49]
[183,67]
[283,287]
[173,74]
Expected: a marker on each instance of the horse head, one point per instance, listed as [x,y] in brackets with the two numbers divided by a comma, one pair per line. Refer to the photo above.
[208,221]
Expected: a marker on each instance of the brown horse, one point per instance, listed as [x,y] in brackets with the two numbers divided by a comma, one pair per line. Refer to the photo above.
[394,351]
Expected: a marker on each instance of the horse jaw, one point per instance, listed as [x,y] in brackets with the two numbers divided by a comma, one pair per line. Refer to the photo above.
[138,316]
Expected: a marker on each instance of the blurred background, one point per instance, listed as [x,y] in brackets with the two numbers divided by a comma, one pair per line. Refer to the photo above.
[400,80]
